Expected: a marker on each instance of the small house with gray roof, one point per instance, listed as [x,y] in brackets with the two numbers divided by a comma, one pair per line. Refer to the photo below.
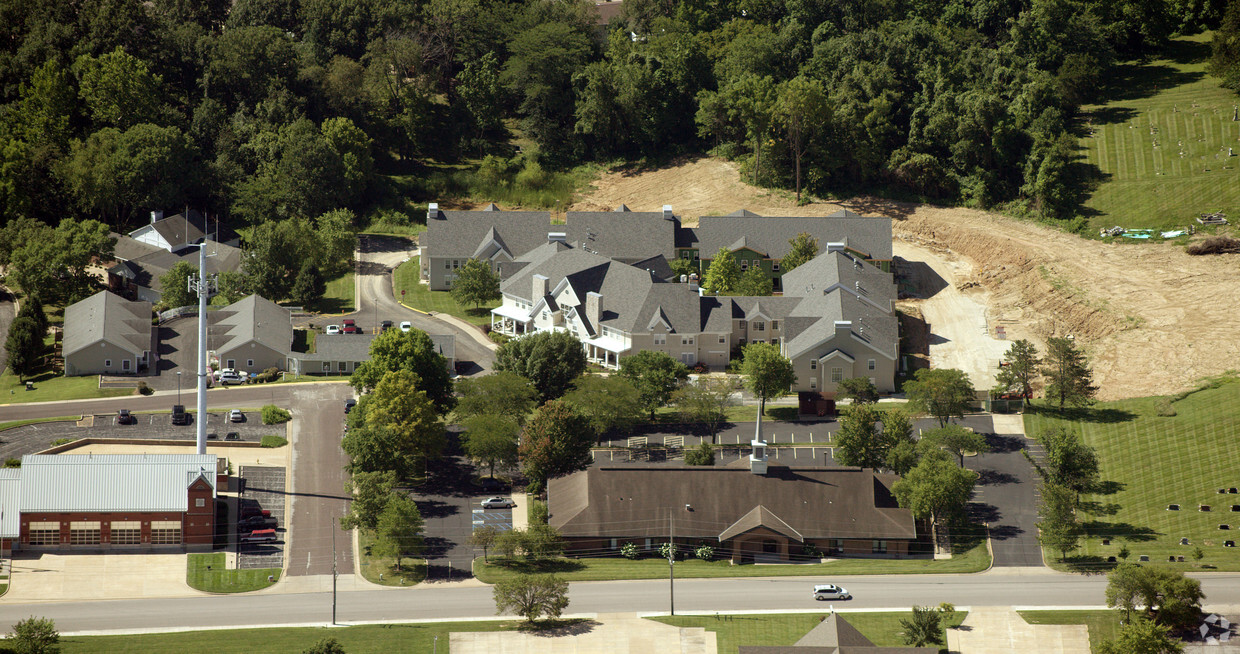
[251,334]
[106,334]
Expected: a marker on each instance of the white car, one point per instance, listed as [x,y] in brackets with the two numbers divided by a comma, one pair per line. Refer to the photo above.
[406,326]
[498,503]
[333,329]
[235,416]
[227,378]
[830,592]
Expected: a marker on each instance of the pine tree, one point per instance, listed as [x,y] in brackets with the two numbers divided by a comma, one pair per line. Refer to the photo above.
[1068,377]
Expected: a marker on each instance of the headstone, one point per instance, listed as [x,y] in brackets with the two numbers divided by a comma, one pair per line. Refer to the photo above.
[1110,559]
[1204,508]
[1173,507]
[1183,541]
[1229,543]
[1224,527]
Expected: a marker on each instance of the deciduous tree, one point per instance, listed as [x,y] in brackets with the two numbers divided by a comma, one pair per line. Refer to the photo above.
[858,389]
[802,109]
[476,284]
[803,247]
[552,361]
[944,393]
[755,282]
[707,401]
[768,374]
[24,345]
[936,488]
[483,537]
[610,403]
[35,636]
[174,286]
[1170,597]
[412,351]
[723,275]
[556,441]
[399,528]
[1069,462]
[395,427]
[490,439]
[1141,636]
[1068,377]
[702,455]
[858,442]
[1058,528]
[532,596]
[503,393]
[955,439]
[370,492]
[655,375]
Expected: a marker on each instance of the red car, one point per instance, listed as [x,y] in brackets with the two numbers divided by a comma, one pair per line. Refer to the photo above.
[350,327]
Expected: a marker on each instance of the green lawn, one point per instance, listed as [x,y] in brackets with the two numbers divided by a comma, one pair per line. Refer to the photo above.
[971,556]
[206,572]
[883,629]
[366,639]
[50,387]
[1103,625]
[412,570]
[1149,462]
[339,297]
[14,424]
[1173,102]
[419,296]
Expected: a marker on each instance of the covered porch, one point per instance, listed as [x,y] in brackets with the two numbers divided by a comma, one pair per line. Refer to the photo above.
[510,320]
[605,351]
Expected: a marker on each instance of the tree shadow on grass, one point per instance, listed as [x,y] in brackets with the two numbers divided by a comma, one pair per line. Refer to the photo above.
[1098,508]
[1087,564]
[1119,530]
[539,566]
[1085,414]
[1107,487]
[1132,81]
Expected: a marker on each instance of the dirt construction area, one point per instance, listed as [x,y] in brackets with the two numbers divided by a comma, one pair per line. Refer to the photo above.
[1152,319]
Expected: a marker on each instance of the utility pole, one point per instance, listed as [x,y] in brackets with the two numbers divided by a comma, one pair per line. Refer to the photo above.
[671,559]
[333,572]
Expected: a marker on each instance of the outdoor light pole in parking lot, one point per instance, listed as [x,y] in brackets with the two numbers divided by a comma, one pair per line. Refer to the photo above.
[202,283]
[178,388]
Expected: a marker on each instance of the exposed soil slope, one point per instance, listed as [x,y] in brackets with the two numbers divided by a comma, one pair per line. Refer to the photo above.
[1152,318]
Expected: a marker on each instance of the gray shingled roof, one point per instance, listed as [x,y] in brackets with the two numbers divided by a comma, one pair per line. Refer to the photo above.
[255,319]
[128,248]
[177,230]
[770,235]
[111,482]
[146,270]
[106,316]
[461,233]
[838,268]
[633,502]
[340,347]
[813,321]
[627,236]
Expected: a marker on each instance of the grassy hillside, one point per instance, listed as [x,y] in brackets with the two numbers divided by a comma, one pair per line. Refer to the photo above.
[1149,461]
[1159,144]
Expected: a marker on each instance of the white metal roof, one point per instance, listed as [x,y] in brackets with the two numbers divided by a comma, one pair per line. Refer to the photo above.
[10,494]
[111,482]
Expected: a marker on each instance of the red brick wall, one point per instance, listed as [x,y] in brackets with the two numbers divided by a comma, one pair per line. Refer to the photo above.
[197,524]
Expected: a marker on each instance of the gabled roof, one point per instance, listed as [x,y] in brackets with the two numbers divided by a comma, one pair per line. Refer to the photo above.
[760,516]
[110,318]
[111,482]
[254,319]
[146,270]
[633,502]
[831,269]
[770,235]
[177,230]
[871,328]
[834,631]
[128,248]
[460,234]
[627,236]
[491,244]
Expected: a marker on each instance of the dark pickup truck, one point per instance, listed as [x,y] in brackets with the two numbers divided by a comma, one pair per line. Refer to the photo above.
[179,415]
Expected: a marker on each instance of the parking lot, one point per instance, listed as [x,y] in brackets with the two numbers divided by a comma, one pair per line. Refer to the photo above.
[29,439]
[266,486]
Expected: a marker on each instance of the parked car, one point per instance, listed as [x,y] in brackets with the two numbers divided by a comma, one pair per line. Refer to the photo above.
[349,404]
[179,415]
[124,417]
[498,503]
[257,522]
[260,536]
[351,329]
[236,416]
[212,436]
[830,592]
[492,484]
[384,326]
[232,436]
[333,329]
[227,378]
[251,508]
[406,326]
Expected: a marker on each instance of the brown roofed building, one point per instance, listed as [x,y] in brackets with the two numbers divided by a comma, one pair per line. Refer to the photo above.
[745,513]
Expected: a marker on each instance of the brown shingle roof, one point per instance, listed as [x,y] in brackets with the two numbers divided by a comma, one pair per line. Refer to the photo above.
[817,503]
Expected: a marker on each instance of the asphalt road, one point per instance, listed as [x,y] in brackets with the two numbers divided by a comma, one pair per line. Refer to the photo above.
[219,398]
[431,601]
[318,464]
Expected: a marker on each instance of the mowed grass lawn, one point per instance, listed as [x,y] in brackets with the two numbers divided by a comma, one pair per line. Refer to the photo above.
[365,639]
[969,556]
[339,296]
[412,570]
[1160,143]
[1153,461]
[419,296]
[1103,625]
[883,629]
[50,387]
[207,572]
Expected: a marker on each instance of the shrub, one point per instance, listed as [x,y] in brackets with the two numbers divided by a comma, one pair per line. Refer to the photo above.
[705,552]
[499,338]
[271,440]
[34,636]
[1216,245]
[1165,408]
[268,375]
[629,551]
[274,415]
[12,463]
[811,551]
[702,455]
[665,551]
[538,512]
[533,177]
[62,441]
[144,389]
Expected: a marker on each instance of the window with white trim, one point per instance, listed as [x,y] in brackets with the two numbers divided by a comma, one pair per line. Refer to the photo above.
[107,363]
[686,340]
[249,363]
[723,340]
[447,265]
[232,363]
[837,375]
[744,264]
[813,383]
[124,364]
[870,365]
[774,325]
[813,364]
[341,366]
[200,502]
[660,339]
[759,326]
[774,266]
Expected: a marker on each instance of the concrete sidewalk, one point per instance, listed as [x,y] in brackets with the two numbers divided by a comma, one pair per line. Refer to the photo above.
[610,633]
[1000,630]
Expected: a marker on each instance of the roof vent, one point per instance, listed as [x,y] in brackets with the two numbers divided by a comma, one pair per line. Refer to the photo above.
[432,211]
[667,212]
[557,237]
[835,247]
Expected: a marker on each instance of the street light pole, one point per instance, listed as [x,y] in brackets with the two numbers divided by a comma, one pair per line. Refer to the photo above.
[178,388]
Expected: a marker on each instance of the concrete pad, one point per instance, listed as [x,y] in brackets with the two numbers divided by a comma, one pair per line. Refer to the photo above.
[1000,630]
[238,456]
[608,634]
[521,513]
[56,576]
[1005,423]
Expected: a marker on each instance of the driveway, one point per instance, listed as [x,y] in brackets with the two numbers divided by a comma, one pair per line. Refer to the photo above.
[447,506]
[318,497]
[1006,495]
